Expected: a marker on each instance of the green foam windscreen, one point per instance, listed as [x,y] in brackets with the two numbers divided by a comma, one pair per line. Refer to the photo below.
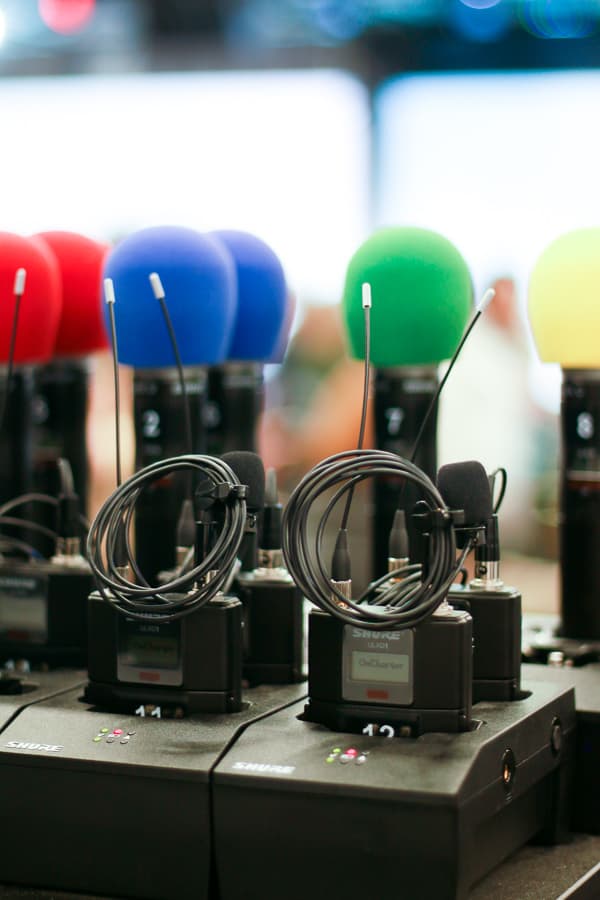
[564,300]
[421,292]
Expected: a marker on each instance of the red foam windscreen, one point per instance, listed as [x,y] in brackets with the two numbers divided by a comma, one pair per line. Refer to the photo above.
[81,328]
[39,311]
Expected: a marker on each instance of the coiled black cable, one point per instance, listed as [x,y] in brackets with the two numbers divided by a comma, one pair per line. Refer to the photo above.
[405,603]
[188,591]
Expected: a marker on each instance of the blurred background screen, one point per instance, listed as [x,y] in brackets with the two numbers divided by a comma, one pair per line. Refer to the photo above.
[310,123]
[272,152]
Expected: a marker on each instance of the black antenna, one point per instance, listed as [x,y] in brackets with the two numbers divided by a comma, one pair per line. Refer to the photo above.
[483,305]
[366,305]
[18,291]
[159,293]
[340,563]
[109,295]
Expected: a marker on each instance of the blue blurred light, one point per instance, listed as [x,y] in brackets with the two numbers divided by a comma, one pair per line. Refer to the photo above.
[483,24]
[480,4]
[340,20]
[559,19]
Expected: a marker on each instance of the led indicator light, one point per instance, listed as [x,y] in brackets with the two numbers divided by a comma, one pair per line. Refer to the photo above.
[104,731]
[96,739]
[330,759]
[337,750]
[377,694]
[117,731]
[351,752]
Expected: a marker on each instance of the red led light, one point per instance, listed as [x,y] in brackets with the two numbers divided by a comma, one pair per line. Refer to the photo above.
[66,16]
[351,752]
[118,731]
[377,694]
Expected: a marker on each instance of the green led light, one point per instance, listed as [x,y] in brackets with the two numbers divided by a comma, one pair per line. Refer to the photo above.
[96,739]
[104,731]
[337,750]
[330,759]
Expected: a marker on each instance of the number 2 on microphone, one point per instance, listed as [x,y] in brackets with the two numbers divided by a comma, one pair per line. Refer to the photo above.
[151,423]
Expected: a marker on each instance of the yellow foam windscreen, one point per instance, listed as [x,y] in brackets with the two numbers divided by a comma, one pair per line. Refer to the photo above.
[564,300]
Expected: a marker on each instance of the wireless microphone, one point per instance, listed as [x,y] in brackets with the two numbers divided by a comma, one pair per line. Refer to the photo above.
[28,326]
[177,645]
[274,619]
[400,660]
[43,602]
[236,392]
[61,400]
[197,278]
[563,311]
[424,295]
[494,607]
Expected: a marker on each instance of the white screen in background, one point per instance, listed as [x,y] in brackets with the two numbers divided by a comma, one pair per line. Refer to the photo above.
[501,164]
[284,155]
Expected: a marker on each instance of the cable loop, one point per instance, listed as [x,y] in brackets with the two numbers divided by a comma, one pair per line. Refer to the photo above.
[405,603]
[190,590]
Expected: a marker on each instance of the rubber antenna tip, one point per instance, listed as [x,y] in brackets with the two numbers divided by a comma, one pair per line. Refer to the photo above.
[109,290]
[366,295]
[486,300]
[156,284]
[20,276]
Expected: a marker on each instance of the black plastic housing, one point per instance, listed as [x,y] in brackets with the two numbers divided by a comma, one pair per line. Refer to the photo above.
[273,628]
[209,647]
[59,430]
[115,805]
[402,397]
[580,504]
[57,594]
[496,618]
[442,679]
[402,818]
[160,433]
[234,404]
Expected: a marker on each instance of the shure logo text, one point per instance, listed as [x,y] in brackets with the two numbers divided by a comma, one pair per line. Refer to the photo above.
[28,745]
[381,635]
[264,767]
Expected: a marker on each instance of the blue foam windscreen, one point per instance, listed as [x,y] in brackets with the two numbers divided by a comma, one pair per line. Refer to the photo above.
[199,280]
[261,298]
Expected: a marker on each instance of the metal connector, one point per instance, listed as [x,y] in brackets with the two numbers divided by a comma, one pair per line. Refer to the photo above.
[345,588]
[270,559]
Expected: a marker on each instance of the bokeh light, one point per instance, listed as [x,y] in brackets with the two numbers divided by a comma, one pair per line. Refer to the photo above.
[548,19]
[66,16]
[480,4]
[483,23]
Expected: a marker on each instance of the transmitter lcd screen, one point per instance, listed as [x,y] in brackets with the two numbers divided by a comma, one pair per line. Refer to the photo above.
[24,608]
[388,668]
[377,666]
[155,651]
[149,652]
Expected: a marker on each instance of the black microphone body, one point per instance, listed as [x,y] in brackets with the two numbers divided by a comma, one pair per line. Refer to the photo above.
[235,403]
[16,444]
[60,408]
[159,424]
[580,504]
[402,398]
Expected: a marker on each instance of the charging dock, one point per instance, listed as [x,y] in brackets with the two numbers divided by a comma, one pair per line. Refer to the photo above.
[117,804]
[366,816]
